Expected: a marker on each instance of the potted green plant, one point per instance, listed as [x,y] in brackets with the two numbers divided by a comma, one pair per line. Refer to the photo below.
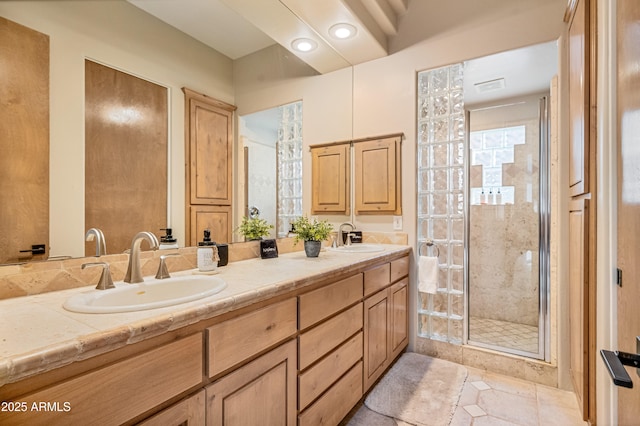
[253,228]
[313,233]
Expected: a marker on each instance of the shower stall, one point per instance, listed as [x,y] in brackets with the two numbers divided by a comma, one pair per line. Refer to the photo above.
[483,201]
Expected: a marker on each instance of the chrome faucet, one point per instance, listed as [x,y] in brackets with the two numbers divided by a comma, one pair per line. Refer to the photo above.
[353,228]
[101,243]
[134,273]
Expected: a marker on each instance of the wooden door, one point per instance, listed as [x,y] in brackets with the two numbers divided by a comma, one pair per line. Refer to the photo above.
[376,336]
[377,176]
[578,302]
[628,250]
[399,317]
[126,139]
[217,219]
[209,152]
[579,99]
[210,140]
[24,142]
[188,412]
[262,392]
[330,179]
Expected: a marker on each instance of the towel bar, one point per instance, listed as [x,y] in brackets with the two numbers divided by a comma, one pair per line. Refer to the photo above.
[429,243]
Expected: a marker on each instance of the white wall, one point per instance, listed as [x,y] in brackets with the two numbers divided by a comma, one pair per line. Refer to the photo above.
[122,36]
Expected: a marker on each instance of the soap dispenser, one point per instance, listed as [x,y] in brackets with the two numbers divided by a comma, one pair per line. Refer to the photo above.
[168,241]
[207,253]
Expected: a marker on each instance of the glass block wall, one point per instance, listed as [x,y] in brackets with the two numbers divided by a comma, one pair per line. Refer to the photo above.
[289,152]
[441,198]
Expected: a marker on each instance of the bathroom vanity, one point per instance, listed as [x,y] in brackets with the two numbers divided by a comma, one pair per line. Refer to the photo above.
[291,340]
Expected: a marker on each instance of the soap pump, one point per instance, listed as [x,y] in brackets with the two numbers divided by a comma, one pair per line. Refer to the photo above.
[168,241]
[207,253]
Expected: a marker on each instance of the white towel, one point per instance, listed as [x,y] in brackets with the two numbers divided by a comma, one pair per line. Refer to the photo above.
[428,274]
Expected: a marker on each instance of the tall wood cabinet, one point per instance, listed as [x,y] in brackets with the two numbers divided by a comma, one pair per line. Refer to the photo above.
[209,155]
[581,50]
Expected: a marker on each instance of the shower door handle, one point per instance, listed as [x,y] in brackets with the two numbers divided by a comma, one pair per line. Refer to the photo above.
[615,362]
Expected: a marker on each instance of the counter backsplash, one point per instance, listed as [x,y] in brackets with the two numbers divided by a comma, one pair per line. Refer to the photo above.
[40,277]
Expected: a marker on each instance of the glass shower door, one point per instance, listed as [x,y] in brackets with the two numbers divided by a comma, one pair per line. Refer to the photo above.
[506,245]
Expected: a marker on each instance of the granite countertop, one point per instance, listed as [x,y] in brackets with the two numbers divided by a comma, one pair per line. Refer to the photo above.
[37,334]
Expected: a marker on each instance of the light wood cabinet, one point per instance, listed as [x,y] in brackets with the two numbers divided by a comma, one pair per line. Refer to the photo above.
[209,153]
[121,391]
[386,331]
[378,183]
[188,412]
[235,340]
[330,179]
[262,392]
[214,218]
[578,53]
[304,357]
[578,296]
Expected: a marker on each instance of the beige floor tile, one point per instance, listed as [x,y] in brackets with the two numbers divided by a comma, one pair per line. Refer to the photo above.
[511,407]
[510,385]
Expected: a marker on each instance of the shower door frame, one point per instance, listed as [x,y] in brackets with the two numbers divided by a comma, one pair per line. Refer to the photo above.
[544,328]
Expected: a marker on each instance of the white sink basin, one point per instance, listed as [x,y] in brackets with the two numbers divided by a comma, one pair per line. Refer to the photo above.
[358,248]
[150,294]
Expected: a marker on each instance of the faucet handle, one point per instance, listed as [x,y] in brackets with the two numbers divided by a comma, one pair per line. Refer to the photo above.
[163,272]
[105,281]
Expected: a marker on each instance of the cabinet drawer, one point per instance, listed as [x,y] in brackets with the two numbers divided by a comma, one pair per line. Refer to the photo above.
[376,278]
[321,339]
[337,402]
[115,394]
[326,301]
[233,341]
[188,412]
[319,377]
[399,268]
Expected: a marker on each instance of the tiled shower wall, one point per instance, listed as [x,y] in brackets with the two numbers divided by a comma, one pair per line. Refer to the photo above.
[441,206]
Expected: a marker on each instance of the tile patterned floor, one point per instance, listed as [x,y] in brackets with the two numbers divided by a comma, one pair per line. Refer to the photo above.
[503,333]
[492,399]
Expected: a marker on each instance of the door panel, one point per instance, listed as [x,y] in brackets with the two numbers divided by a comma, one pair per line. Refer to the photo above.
[628,250]
[24,137]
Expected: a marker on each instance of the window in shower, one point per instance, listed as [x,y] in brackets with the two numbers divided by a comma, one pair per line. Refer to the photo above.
[504,251]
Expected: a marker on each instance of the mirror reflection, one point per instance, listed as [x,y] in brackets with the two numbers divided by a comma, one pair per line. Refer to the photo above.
[272,143]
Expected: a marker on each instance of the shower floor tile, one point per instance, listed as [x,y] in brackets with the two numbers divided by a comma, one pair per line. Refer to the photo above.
[506,334]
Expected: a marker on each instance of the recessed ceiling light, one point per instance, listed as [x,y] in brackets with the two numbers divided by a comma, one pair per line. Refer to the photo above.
[342,31]
[304,44]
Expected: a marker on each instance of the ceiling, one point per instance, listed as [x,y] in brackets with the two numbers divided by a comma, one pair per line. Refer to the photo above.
[237,28]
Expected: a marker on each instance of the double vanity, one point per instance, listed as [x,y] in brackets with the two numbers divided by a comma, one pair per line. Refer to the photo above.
[292,340]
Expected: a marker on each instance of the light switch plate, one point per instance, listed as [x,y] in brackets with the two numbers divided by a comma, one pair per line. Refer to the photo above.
[397,223]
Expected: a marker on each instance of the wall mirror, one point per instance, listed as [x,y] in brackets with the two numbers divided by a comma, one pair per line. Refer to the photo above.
[272,147]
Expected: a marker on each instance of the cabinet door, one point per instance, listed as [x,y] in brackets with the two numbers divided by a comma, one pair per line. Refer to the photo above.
[330,179]
[118,392]
[215,218]
[24,130]
[578,298]
[188,412]
[209,125]
[262,392]
[399,327]
[579,100]
[376,337]
[377,176]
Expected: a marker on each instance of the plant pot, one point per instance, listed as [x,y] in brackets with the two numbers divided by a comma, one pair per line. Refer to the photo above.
[312,248]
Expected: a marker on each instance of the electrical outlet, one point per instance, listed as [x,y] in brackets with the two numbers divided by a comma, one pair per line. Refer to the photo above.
[397,223]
